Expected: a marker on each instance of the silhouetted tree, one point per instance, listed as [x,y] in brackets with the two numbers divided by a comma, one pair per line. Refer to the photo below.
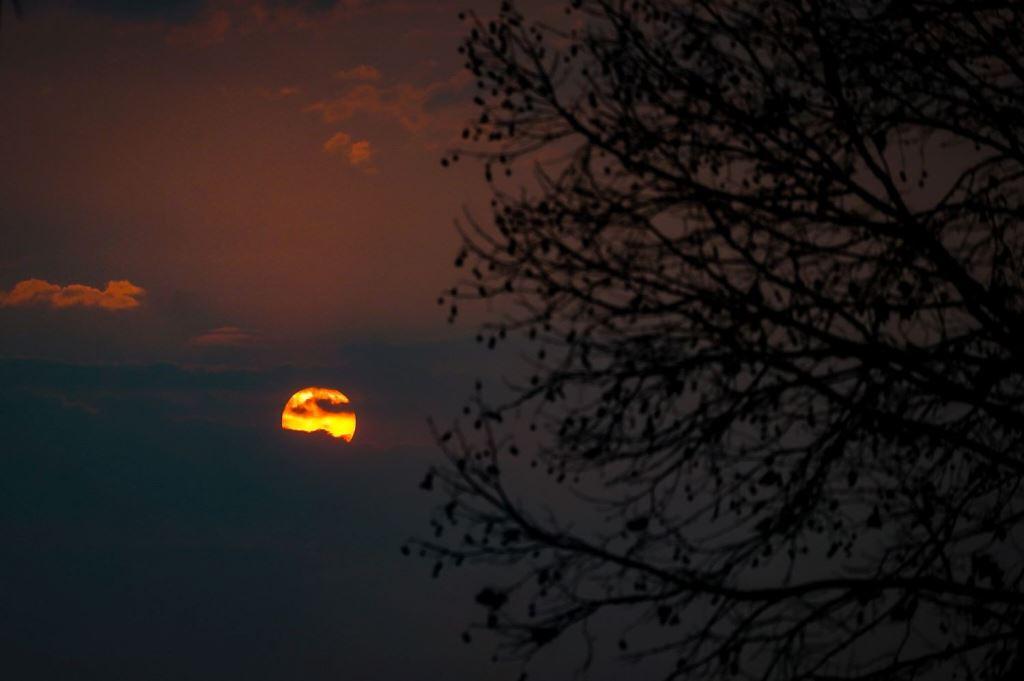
[770,261]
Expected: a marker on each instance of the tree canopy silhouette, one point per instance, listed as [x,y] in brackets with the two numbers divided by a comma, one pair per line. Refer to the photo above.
[769,263]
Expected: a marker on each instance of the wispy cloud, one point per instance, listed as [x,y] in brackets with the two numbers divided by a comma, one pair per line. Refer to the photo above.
[223,337]
[119,294]
[415,108]
[220,19]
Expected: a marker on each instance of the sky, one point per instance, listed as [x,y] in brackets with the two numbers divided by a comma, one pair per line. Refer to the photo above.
[208,205]
[267,167]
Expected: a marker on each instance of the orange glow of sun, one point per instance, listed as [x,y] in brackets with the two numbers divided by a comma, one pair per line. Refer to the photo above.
[306,412]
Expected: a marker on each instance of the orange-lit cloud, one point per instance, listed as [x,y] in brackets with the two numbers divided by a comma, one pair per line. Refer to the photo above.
[416,108]
[403,102]
[359,153]
[306,412]
[223,337]
[213,188]
[119,294]
[337,143]
[361,72]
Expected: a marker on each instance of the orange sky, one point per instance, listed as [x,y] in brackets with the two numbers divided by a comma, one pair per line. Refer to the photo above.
[261,166]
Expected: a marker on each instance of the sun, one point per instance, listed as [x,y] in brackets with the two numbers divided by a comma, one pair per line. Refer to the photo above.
[313,409]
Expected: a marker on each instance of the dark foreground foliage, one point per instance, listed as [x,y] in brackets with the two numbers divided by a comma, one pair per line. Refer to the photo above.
[769,260]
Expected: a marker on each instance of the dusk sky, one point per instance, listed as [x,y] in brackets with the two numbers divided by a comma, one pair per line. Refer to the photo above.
[208,205]
[415,340]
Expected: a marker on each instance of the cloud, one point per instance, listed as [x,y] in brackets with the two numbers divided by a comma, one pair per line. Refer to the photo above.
[120,294]
[220,19]
[403,102]
[414,108]
[395,386]
[361,72]
[359,153]
[337,143]
[313,409]
[223,337]
[196,501]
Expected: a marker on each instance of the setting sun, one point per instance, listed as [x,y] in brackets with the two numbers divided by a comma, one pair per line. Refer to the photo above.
[313,409]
